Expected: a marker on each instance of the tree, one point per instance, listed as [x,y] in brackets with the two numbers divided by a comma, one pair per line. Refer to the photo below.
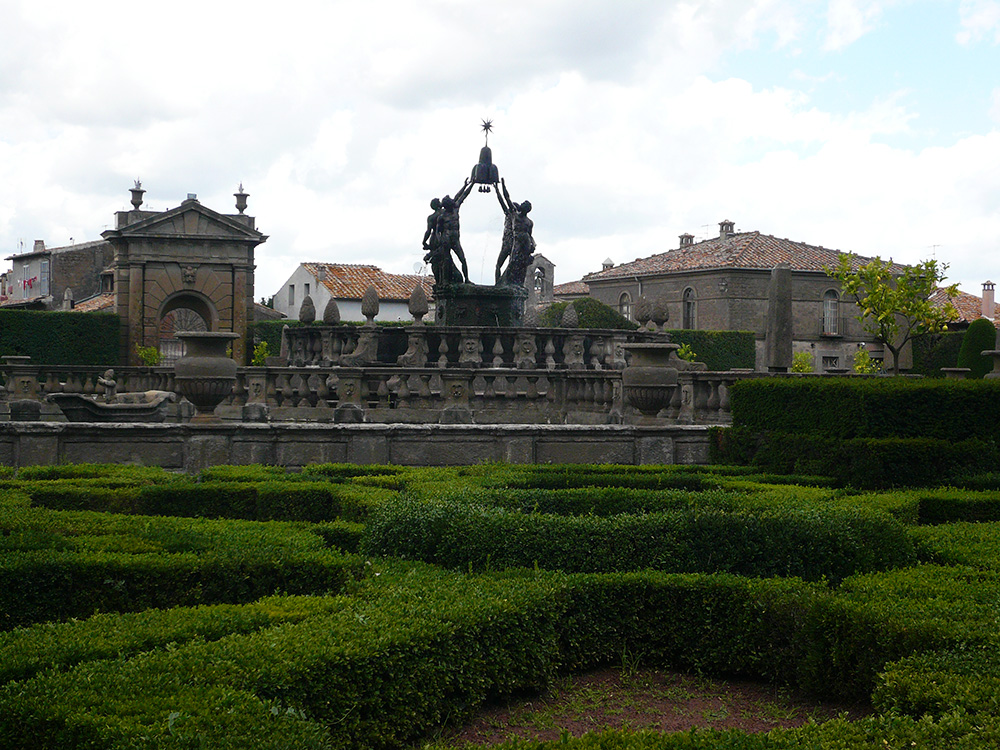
[981,336]
[895,305]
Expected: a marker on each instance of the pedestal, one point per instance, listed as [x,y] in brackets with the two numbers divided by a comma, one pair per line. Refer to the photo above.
[474,305]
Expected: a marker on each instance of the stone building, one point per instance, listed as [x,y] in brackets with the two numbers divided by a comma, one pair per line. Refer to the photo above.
[722,284]
[346,283]
[53,278]
[160,271]
[540,280]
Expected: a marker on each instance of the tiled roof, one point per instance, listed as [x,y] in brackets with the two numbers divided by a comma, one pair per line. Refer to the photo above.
[571,287]
[100,303]
[346,281]
[969,306]
[739,250]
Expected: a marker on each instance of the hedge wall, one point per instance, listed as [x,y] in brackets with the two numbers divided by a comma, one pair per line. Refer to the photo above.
[60,338]
[881,407]
[720,350]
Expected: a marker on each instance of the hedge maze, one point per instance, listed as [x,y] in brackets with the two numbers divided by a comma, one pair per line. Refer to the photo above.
[369,606]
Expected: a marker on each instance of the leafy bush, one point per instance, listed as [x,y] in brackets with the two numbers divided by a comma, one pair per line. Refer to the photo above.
[591,313]
[802,362]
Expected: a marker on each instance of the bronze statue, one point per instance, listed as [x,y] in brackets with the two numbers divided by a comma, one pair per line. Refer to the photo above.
[517,245]
[442,239]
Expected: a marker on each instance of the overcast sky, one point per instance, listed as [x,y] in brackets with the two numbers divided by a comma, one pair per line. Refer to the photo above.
[865,125]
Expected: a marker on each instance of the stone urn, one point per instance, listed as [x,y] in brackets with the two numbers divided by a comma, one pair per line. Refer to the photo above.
[205,375]
[648,382]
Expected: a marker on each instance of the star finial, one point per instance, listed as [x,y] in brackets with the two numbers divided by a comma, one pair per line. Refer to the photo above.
[487,128]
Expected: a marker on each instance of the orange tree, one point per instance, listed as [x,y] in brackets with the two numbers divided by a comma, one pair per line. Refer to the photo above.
[895,301]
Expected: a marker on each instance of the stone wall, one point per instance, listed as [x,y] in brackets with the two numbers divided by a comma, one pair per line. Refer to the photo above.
[185,447]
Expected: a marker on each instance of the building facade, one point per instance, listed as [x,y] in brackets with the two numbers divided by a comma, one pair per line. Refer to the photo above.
[722,284]
[54,278]
[346,283]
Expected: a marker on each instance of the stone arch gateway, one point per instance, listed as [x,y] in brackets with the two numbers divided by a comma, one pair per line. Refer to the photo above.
[188,257]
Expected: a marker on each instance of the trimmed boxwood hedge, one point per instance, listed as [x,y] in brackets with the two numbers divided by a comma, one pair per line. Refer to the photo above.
[878,407]
[61,338]
[720,350]
[406,647]
[56,565]
[417,646]
[812,544]
[858,462]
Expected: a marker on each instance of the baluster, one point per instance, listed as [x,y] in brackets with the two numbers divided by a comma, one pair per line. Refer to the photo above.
[489,393]
[74,382]
[498,352]
[271,388]
[674,407]
[701,392]
[532,391]
[382,393]
[285,390]
[596,352]
[508,385]
[713,401]
[443,352]
[404,388]
[301,390]
[725,411]
[424,386]
[550,351]
[317,347]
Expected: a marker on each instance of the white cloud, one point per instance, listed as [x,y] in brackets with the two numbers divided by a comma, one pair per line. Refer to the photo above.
[978,18]
[343,120]
[849,20]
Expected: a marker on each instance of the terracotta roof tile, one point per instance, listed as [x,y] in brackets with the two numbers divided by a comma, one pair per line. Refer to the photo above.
[969,306]
[347,281]
[100,303]
[740,250]
[571,287]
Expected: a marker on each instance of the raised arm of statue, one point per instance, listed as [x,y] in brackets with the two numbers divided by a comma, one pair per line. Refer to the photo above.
[463,192]
[506,196]
[505,205]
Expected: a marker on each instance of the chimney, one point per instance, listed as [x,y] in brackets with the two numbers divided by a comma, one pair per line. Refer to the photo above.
[39,246]
[608,263]
[989,306]
[725,229]
[687,240]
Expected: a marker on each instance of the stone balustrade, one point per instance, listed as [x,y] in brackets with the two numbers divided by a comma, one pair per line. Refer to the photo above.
[445,347]
[473,394]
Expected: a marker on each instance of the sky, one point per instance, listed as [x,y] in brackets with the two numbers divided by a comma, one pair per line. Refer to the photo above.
[870,126]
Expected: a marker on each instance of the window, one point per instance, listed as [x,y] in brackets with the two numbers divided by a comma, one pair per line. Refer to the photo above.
[291,295]
[43,278]
[831,363]
[625,305]
[831,313]
[539,280]
[25,281]
[689,320]
[305,290]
